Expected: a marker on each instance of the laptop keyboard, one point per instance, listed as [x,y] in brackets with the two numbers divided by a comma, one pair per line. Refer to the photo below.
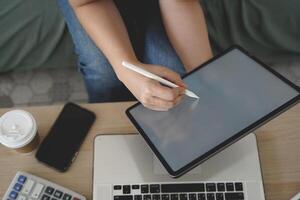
[180,191]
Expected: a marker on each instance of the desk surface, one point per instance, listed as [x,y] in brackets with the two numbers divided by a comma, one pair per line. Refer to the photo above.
[278,141]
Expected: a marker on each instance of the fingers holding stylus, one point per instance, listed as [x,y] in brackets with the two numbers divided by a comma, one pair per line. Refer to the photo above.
[164,92]
[155,103]
[169,75]
[162,98]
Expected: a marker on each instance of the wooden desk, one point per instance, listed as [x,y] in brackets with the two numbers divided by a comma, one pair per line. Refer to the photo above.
[278,142]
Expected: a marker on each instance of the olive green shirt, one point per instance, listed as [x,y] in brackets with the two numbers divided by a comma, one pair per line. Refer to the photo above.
[269,29]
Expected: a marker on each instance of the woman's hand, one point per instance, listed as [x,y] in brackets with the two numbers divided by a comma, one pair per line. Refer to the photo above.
[151,93]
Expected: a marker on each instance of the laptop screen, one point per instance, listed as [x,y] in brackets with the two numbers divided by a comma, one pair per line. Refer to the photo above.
[235,91]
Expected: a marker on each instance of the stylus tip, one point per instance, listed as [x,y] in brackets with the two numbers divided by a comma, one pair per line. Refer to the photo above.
[191,94]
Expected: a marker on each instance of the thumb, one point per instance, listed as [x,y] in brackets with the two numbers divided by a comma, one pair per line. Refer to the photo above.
[171,76]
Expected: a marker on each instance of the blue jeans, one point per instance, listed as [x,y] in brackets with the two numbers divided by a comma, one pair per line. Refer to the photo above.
[149,41]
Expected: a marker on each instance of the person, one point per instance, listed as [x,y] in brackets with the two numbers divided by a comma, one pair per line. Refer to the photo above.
[165,37]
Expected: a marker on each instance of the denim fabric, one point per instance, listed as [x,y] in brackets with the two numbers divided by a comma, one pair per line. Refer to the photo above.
[149,41]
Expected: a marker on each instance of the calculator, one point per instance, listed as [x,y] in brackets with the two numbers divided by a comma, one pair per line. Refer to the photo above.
[26,186]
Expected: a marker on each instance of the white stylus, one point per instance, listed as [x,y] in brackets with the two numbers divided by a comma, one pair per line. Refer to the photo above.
[155,77]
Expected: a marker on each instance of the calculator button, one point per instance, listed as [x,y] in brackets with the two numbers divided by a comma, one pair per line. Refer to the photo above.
[18,187]
[67,197]
[45,197]
[22,179]
[49,190]
[37,190]
[21,197]
[53,199]
[75,198]
[27,187]
[58,194]
[13,195]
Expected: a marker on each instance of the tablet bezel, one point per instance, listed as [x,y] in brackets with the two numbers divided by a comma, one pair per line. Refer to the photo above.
[230,140]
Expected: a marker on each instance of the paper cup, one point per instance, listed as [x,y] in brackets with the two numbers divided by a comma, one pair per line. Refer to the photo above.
[18,131]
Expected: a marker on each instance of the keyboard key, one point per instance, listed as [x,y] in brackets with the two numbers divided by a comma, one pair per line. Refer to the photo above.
[154,188]
[188,187]
[117,187]
[201,196]
[219,196]
[165,197]
[144,189]
[124,197]
[210,187]
[18,187]
[234,196]
[49,190]
[126,189]
[183,197]
[221,187]
[174,197]
[13,195]
[210,196]
[58,194]
[138,197]
[37,190]
[21,197]
[67,197]
[229,187]
[22,179]
[155,197]
[192,196]
[135,187]
[45,197]
[238,186]
[27,187]
[147,197]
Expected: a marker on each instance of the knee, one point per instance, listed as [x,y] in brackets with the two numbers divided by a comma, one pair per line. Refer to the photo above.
[93,64]
[165,56]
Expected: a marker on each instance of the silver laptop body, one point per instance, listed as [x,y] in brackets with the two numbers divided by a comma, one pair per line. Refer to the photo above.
[125,167]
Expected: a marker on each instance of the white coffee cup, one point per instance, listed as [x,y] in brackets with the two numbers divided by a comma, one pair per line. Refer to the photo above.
[18,130]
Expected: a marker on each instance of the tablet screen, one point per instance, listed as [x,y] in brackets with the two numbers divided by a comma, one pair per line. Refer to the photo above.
[235,92]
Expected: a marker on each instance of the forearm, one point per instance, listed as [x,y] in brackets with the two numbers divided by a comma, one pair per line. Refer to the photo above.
[103,23]
[186,28]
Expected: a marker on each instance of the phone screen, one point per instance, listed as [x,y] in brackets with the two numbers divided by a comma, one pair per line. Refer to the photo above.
[62,143]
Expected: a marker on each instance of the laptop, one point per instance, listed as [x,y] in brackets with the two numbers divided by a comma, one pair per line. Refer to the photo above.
[126,169]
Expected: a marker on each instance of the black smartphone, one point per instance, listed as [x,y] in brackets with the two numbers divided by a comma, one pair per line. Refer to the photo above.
[60,147]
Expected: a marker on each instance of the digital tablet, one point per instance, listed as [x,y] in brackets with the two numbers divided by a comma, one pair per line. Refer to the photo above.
[238,93]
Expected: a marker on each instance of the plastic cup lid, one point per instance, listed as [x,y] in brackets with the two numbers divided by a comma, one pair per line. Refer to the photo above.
[17,128]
